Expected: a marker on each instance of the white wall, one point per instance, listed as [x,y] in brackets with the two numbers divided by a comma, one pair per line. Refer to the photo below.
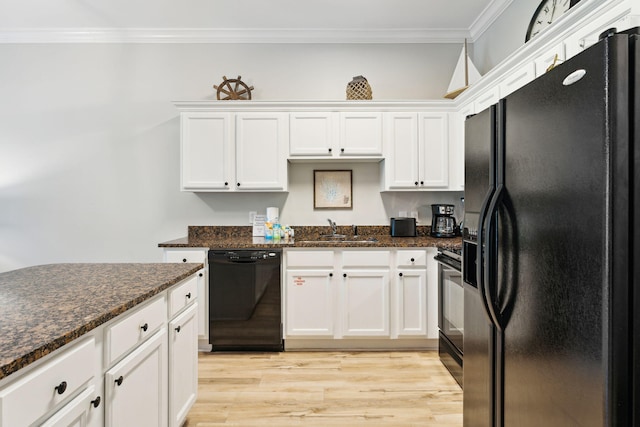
[505,36]
[89,139]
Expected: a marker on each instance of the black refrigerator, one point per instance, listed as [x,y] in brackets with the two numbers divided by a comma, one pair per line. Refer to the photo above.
[551,272]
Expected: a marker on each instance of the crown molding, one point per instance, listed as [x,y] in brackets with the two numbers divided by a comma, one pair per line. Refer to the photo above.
[487,17]
[210,35]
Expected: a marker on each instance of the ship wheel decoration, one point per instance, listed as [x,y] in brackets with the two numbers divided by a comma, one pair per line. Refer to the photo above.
[233,89]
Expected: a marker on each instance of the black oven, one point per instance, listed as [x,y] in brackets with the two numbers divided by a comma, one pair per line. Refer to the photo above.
[450,311]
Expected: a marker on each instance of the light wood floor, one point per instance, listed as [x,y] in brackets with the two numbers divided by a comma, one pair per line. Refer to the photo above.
[348,389]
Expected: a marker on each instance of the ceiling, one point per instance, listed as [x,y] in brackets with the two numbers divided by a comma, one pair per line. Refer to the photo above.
[258,20]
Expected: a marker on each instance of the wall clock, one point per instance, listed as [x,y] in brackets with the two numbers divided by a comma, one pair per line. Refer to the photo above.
[546,14]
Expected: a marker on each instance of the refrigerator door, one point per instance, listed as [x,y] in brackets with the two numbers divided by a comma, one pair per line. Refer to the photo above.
[562,250]
[480,152]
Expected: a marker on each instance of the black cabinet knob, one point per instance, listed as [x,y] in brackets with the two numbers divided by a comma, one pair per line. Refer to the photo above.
[61,388]
[184,260]
[226,183]
[400,274]
[96,402]
[238,184]
[188,295]
[145,327]
[421,182]
[200,275]
[416,183]
[344,275]
[330,274]
[119,380]
[178,329]
[412,259]
[330,149]
[342,150]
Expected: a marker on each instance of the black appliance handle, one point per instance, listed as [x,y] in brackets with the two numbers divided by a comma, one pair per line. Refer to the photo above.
[480,258]
[489,271]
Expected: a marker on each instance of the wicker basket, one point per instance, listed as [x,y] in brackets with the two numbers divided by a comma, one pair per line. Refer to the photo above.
[359,88]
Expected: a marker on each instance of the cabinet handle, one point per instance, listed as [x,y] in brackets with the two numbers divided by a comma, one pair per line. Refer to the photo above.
[238,184]
[421,182]
[61,388]
[200,275]
[330,149]
[400,274]
[96,402]
[342,150]
[330,274]
[188,295]
[412,259]
[145,327]
[344,275]
[184,260]
[178,329]
[226,183]
[119,380]
[416,183]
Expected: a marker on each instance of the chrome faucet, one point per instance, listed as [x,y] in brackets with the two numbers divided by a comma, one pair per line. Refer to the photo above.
[334,227]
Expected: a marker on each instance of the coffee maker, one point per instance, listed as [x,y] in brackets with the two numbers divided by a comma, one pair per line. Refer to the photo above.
[443,224]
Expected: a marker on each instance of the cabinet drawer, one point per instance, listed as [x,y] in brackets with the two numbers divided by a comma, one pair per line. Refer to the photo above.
[183,295]
[310,259]
[185,255]
[134,328]
[366,259]
[39,392]
[411,258]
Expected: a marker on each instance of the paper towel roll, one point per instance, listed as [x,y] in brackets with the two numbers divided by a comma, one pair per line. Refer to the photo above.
[273,215]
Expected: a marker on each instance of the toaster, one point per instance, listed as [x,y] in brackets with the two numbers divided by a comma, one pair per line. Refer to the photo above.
[403,227]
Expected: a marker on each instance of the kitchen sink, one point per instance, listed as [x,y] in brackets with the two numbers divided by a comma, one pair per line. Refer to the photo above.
[336,239]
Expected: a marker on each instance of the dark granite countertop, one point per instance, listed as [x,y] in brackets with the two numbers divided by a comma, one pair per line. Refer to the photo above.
[47,306]
[307,237]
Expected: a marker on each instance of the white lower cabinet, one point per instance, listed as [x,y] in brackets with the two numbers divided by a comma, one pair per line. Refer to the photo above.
[309,303]
[365,303]
[136,387]
[183,364]
[354,294]
[79,412]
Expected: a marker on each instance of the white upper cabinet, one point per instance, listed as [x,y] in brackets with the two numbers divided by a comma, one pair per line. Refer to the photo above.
[360,134]
[207,150]
[234,152]
[417,156]
[261,143]
[313,134]
[333,135]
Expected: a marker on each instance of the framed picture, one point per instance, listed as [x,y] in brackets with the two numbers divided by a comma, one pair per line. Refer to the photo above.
[332,189]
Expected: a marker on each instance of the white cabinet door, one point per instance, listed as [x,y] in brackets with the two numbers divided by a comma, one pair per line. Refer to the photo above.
[83,411]
[261,151]
[401,159]
[183,365]
[411,302]
[203,304]
[433,131]
[360,134]
[312,134]
[365,303]
[486,99]
[517,78]
[206,151]
[136,388]
[309,303]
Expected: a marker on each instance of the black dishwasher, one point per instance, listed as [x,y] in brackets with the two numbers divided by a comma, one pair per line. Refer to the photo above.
[245,300]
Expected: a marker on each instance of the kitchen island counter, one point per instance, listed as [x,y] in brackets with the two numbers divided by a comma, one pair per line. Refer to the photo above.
[45,307]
